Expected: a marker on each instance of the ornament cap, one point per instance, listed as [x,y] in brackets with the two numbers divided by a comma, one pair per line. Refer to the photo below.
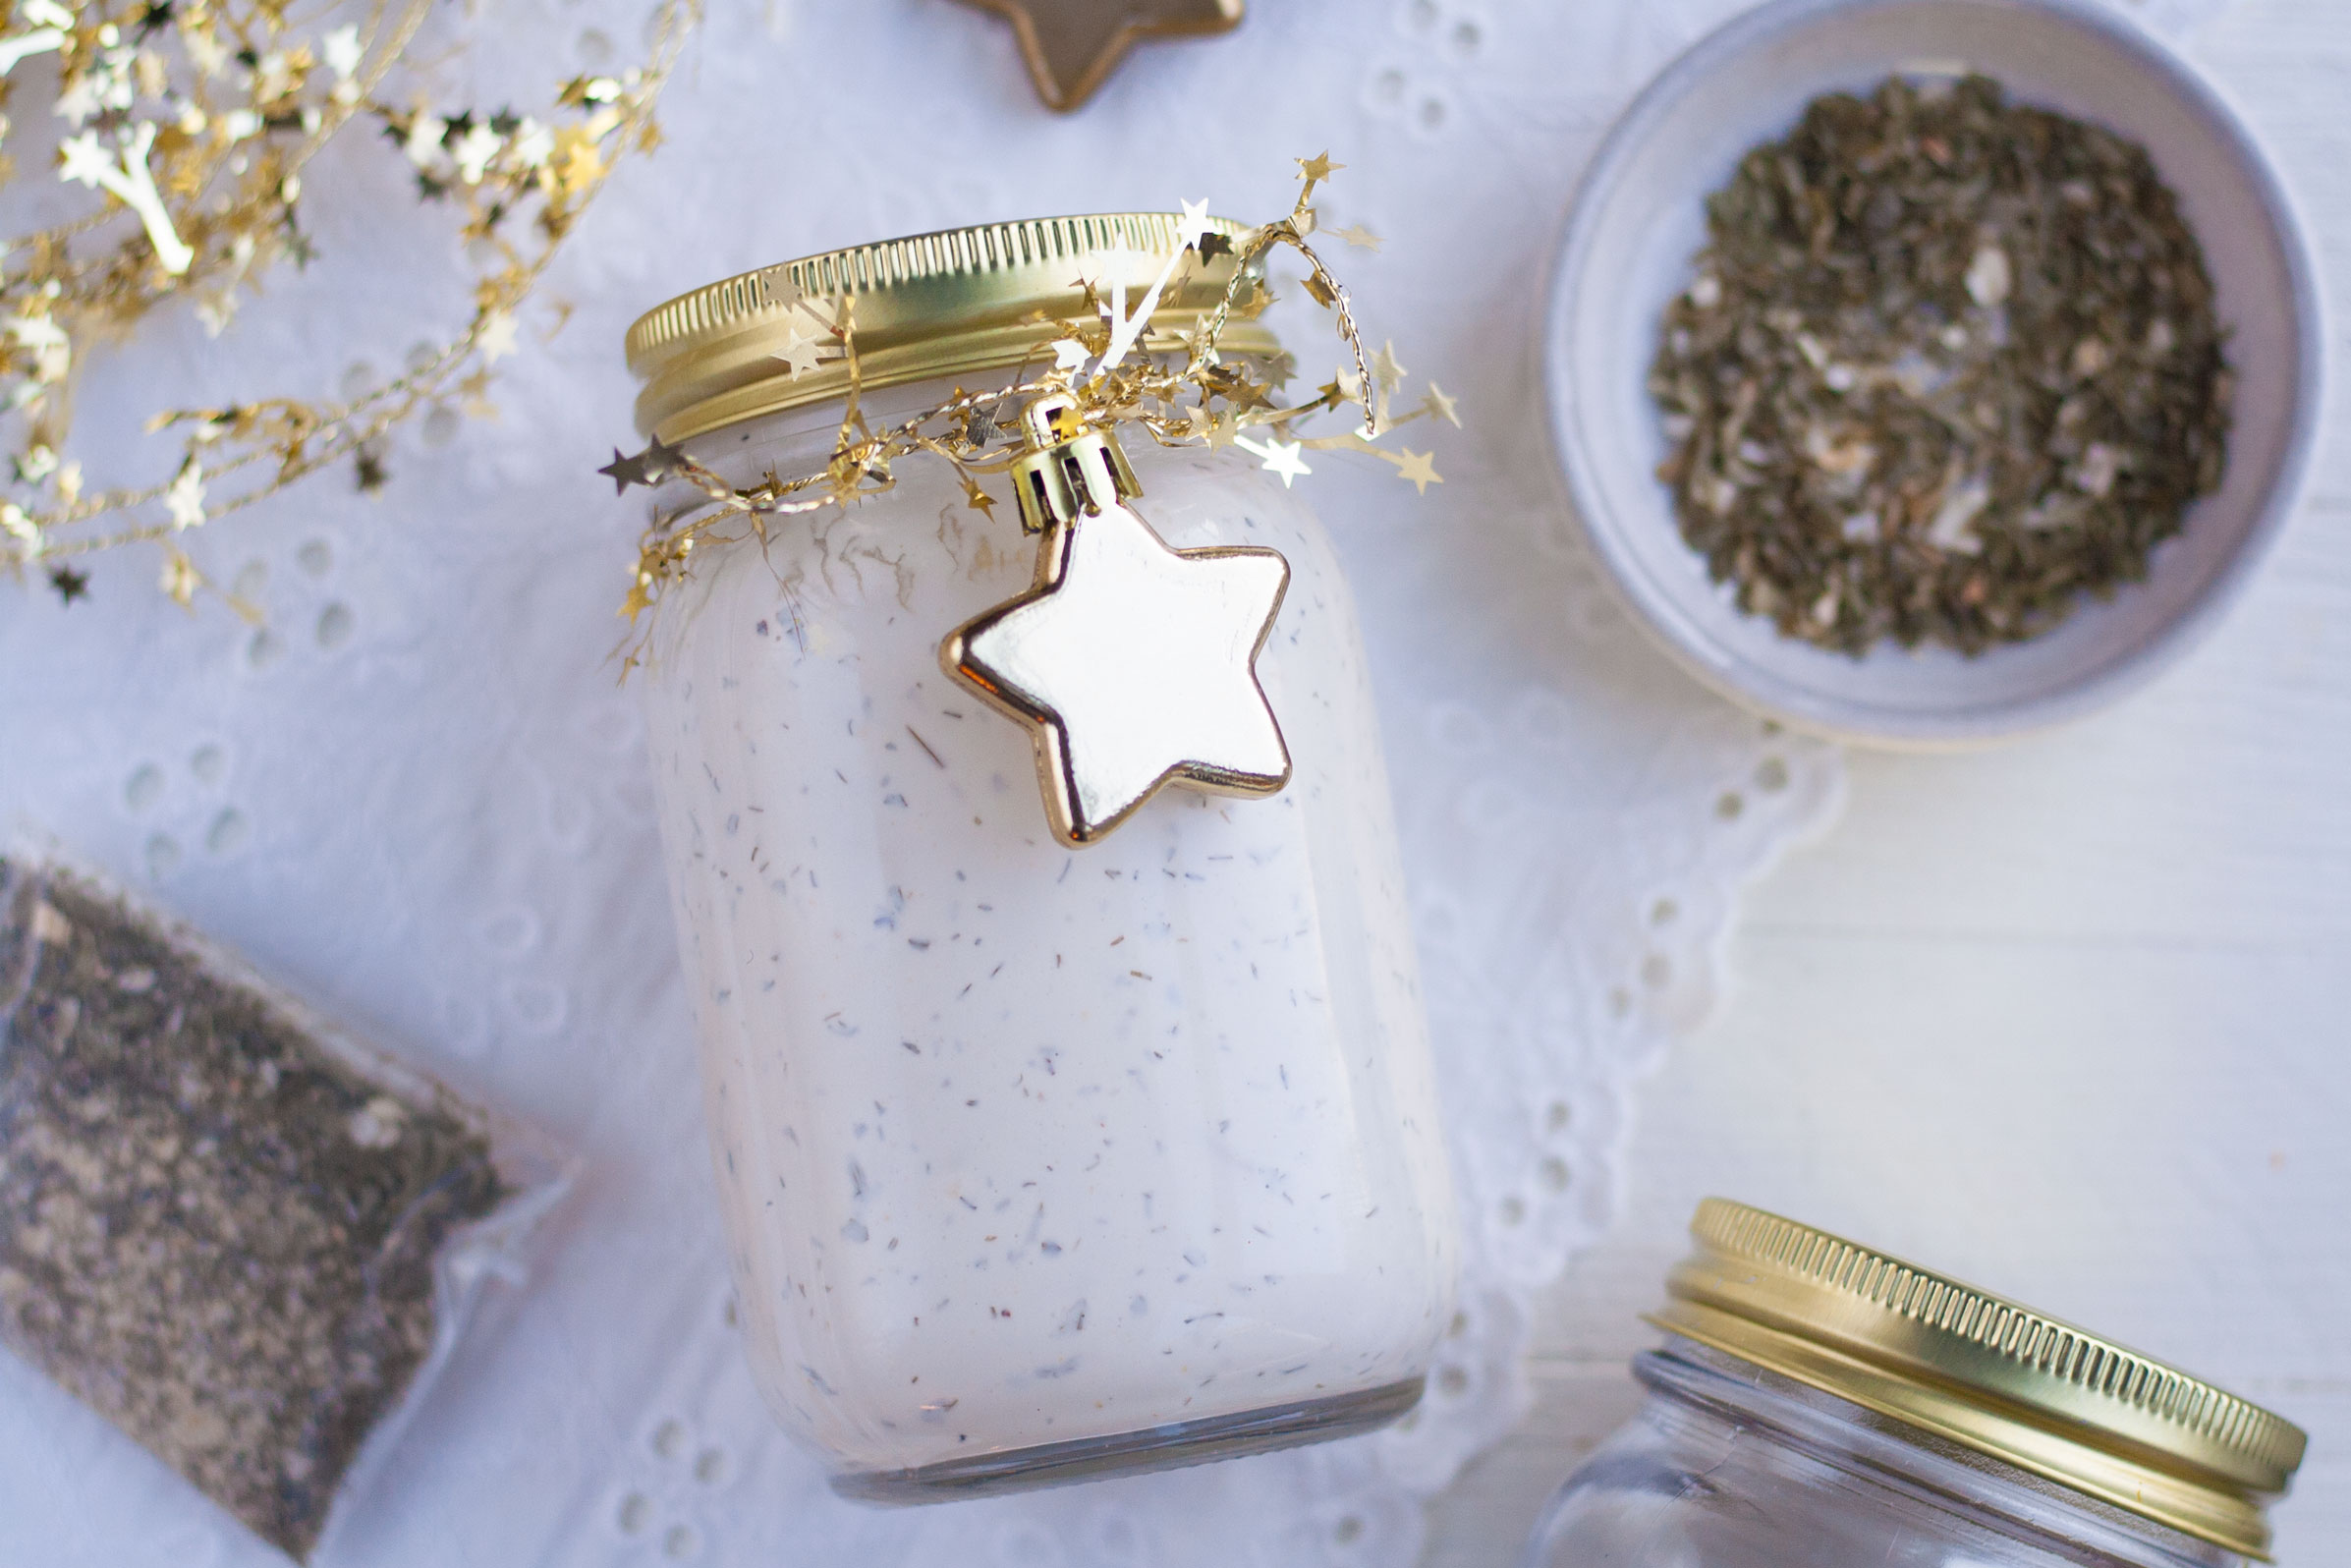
[1070,467]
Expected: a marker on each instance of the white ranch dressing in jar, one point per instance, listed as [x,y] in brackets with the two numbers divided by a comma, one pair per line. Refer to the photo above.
[1037,1162]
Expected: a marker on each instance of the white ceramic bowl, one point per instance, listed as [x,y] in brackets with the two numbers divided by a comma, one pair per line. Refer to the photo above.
[1639,220]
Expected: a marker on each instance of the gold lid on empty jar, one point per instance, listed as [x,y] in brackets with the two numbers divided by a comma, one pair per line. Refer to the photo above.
[1982,1373]
[956,303]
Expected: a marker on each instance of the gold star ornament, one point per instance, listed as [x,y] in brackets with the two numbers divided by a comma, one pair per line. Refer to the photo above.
[1132,664]
[1072,47]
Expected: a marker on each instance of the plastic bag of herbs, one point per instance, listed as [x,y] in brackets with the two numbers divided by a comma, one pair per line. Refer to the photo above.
[245,1236]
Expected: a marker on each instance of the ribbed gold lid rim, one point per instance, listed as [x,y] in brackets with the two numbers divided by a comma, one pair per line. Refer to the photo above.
[1983,1371]
[953,302]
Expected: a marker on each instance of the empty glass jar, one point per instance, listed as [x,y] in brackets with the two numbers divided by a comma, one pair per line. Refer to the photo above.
[1042,1158]
[1818,1405]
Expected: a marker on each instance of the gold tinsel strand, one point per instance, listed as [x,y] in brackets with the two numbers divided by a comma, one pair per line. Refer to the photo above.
[193,121]
[1188,399]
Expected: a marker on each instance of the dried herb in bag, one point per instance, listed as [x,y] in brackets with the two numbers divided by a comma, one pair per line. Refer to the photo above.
[223,1226]
[1948,365]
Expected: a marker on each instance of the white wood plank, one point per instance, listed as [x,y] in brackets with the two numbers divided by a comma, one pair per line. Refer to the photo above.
[2141,1137]
[2069,1018]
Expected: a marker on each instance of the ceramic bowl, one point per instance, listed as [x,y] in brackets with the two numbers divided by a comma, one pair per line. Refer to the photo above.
[1639,220]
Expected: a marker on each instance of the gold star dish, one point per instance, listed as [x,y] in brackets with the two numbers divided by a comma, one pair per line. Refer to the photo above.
[1071,46]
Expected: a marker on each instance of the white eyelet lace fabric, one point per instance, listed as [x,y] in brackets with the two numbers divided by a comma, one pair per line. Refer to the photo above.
[416,795]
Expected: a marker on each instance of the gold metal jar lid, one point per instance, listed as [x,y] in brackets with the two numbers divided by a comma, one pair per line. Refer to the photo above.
[1982,1373]
[954,302]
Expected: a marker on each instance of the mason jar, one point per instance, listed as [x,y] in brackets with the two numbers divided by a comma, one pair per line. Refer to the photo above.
[1047,1148]
[1820,1405]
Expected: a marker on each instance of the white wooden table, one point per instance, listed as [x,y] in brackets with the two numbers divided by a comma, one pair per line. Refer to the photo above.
[2070,1019]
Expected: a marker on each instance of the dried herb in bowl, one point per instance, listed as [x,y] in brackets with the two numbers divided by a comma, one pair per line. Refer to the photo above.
[221,1226]
[1948,365]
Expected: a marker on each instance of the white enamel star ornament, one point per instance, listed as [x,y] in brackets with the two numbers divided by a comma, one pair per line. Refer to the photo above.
[1133,664]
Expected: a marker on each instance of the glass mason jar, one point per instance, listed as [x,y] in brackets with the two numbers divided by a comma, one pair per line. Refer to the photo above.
[1041,1159]
[1818,1405]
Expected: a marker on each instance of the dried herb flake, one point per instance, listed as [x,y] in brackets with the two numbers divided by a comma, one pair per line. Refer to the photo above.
[1948,365]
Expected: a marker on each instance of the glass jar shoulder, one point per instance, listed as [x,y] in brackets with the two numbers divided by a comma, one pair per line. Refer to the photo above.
[1668,1492]
[1724,1468]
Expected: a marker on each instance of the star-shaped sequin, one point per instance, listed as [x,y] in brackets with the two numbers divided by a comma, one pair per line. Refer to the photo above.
[1280,457]
[648,468]
[1134,667]
[1318,168]
[798,351]
[1072,47]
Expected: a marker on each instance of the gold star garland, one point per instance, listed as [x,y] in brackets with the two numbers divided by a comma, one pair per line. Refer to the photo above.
[1191,399]
[193,121]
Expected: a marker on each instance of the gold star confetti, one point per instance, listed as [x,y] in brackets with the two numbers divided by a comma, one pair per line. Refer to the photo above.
[977,499]
[185,134]
[473,395]
[1436,405]
[180,579]
[341,52]
[496,338]
[1193,226]
[1418,467]
[1280,457]
[798,351]
[1318,168]
[648,468]
[1360,237]
[576,160]
[184,499]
